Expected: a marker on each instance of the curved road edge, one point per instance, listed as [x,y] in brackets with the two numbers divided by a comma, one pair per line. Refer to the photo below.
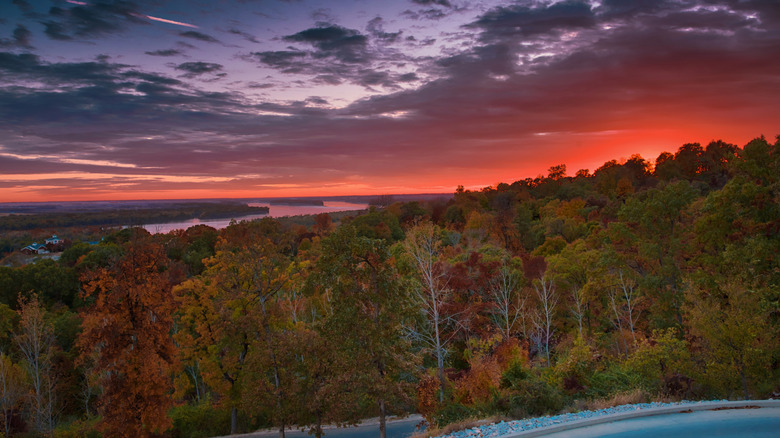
[693,407]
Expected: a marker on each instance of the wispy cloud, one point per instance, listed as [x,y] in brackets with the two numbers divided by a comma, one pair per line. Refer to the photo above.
[335,106]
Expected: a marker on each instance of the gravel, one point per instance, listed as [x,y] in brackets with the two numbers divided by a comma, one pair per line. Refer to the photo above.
[508,427]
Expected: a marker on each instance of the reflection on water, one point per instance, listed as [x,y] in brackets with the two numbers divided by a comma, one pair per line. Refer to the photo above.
[274,211]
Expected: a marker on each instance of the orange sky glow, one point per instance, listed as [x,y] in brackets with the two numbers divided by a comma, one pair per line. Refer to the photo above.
[366,98]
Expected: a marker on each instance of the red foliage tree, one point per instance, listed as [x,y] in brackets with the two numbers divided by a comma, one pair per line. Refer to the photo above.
[127,331]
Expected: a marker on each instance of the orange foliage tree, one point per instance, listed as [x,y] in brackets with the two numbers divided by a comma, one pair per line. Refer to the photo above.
[231,323]
[127,330]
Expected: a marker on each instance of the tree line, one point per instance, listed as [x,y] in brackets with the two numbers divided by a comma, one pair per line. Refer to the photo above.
[126,216]
[640,280]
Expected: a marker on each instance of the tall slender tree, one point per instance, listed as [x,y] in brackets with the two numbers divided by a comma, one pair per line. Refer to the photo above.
[128,330]
[432,293]
[12,390]
[35,339]
[369,304]
[543,318]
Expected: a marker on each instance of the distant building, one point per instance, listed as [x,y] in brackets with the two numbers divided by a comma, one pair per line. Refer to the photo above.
[54,240]
[35,248]
[52,244]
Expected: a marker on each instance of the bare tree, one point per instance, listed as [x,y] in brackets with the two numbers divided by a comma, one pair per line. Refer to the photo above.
[424,247]
[36,343]
[618,322]
[631,297]
[623,300]
[543,316]
[509,306]
[578,306]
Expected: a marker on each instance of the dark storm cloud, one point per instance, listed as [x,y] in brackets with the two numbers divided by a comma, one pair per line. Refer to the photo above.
[345,45]
[260,86]
[247,36]
[149,77]
[199,36]
[166,52]
[30,66]
[56,31]
[376,28]
[629,8]
[287,61]
[718,20]
[317,100]
[516,74]
[339,55]
[23,5]
[444,3]
[21,37]
[93,19]
[193,69]
[97,94]
[497,59]
[522,21]
[408,77]
[600,81]
[328,73]
[424,14]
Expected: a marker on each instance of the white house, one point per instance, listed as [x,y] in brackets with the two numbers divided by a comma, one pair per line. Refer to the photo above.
[53,240]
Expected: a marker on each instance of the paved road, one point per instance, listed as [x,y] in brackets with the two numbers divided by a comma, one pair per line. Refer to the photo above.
[401,428]
[754,423]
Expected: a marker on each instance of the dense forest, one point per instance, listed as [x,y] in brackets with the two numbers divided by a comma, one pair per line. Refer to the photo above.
[128,216]
[641,280]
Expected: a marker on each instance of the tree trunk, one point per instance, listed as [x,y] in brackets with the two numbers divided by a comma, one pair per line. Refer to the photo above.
[439,360]
[318,429]
[382,420]
[275,364]
[233,421]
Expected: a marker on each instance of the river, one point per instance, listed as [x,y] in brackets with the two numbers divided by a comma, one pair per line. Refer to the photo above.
[274,211]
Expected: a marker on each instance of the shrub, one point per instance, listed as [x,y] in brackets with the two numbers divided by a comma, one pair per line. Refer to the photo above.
[662,364]
[428,397]
[514,375]
[576,367]
[199,420]
[612,380]
[527,394]
[536,397]
[483,377]
[452,413]
[78,429]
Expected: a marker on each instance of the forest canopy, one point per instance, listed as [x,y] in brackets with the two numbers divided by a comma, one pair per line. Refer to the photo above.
[637,281]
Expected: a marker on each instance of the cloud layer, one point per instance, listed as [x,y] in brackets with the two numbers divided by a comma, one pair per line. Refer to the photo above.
[379,103]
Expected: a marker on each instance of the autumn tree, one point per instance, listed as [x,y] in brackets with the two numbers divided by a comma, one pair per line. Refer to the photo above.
[423,246]
[230,318]
[12,389]
[322,224]
[543,316]
[508,304]
[35,340]
[128,331]
[737,334]
[651,240]
[369,304]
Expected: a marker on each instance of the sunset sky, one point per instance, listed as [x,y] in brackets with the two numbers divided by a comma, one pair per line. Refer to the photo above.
[199,99]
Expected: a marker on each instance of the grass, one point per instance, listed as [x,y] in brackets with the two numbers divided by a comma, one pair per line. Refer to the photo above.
[633,396]
[622,398]
[459,425]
